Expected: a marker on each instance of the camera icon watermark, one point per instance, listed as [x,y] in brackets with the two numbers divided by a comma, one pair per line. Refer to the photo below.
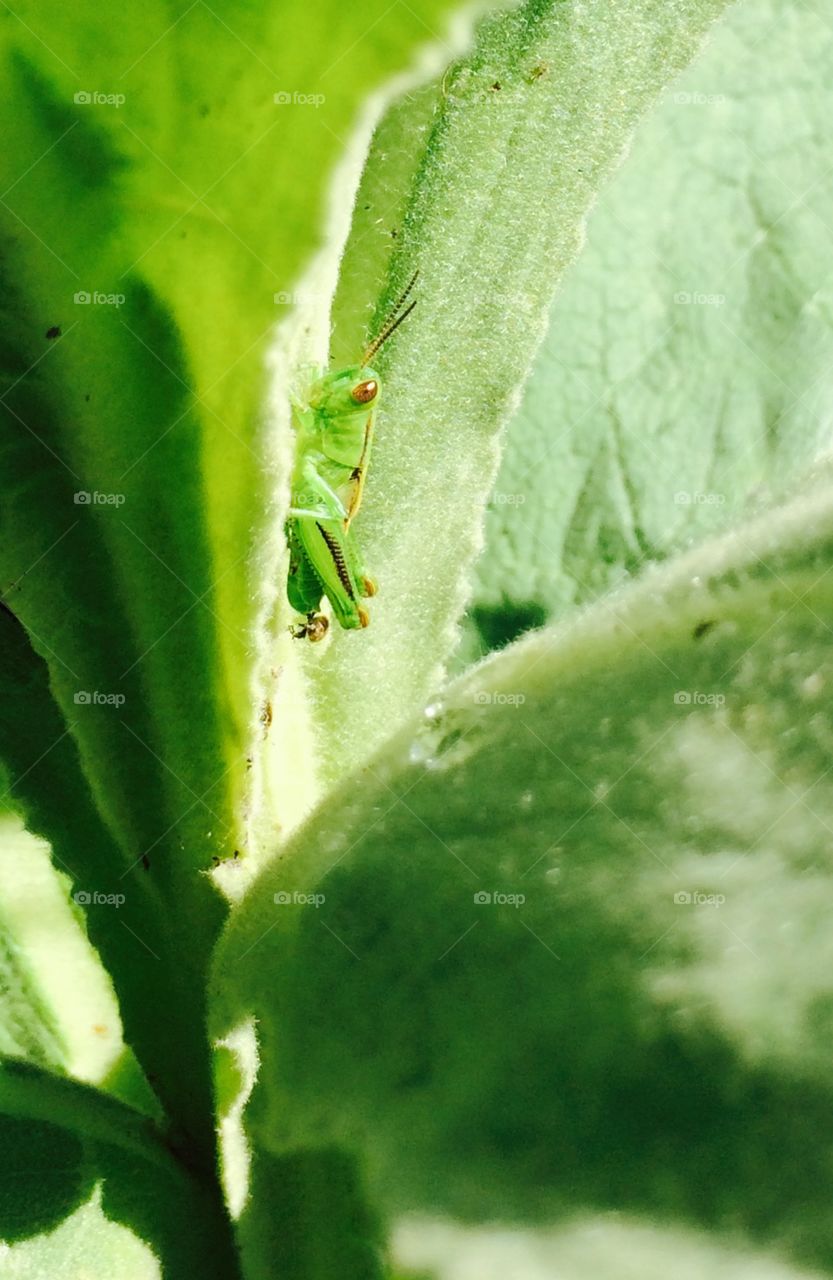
[697,698]
[484,898]
[696,99]
[86,698]
[94,899]
[685,898]
[300,500]
[484,699]
[296,99]
[507,499]
[86,498]
[296,899]
[96,298]
[298,297]
[685,499]
[685,299]
[83,98]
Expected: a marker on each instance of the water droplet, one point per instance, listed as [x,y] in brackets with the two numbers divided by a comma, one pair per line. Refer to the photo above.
[418,753]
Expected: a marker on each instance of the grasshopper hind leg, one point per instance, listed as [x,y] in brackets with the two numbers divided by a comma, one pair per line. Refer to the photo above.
[323,560]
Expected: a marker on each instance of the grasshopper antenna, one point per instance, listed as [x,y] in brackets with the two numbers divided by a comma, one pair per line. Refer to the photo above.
[395,319]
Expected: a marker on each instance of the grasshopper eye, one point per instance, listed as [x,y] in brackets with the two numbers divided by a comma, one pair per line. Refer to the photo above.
[364,392]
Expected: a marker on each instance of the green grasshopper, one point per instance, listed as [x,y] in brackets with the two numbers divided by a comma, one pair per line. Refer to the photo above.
[334,428]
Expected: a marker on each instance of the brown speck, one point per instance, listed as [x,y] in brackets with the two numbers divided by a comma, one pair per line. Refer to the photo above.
[54,332]
[703,628]
[217,860]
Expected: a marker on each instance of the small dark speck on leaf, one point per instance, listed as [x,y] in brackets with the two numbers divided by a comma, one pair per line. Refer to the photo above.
[496,86]
[87,397]
[204,110]
[703,628]
[146,862]
[54,332]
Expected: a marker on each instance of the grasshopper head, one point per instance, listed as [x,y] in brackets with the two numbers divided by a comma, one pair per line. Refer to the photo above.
[346,392]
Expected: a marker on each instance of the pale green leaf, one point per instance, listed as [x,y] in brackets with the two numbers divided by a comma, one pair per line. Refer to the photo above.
[686,374]
[56,1004]
[67,1146]
[599,1248]
[85,1244]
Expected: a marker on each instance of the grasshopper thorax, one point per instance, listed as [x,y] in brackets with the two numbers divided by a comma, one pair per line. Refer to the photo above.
[345,405]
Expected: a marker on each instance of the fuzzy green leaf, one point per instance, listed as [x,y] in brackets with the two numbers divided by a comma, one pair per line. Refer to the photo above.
[525,131]
[163,180]
[569,947]
[144,948]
